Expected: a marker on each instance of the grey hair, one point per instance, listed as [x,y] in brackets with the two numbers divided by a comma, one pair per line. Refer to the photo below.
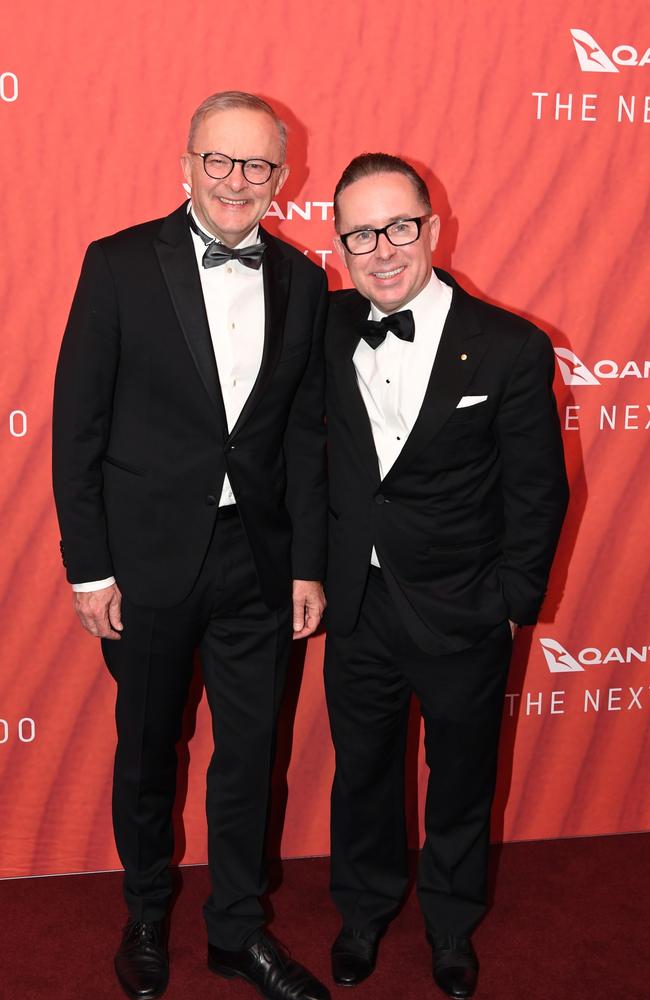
[226,99]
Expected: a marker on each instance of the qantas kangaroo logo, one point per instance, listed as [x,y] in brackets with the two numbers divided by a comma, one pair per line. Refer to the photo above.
[591,57]
[574,371]
[558,659]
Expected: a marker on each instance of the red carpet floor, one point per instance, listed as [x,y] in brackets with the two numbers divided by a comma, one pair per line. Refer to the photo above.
[569,921]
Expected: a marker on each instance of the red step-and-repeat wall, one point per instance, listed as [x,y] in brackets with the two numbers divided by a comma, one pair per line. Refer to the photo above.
[531,123]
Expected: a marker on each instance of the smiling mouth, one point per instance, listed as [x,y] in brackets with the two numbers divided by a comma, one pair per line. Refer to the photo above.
[385,275]
[236,203]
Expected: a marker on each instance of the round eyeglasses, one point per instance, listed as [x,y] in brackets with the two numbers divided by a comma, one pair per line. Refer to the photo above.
[218,166]
[399,233]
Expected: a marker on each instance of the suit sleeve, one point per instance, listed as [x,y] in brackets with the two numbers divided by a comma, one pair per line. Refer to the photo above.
[534,482]
[83,400]
[305,457]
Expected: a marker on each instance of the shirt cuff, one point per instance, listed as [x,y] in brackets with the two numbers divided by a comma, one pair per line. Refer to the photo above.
[85,588]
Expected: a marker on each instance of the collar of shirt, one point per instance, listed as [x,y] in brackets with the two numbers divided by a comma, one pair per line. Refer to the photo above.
[435,296]
[248,241]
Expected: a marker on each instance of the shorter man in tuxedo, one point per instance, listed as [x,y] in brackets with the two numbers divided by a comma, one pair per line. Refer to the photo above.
[447,494]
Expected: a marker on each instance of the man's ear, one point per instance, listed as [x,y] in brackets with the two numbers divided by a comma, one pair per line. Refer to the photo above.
[340,249]
[283,173]
[434,228]
[186,167]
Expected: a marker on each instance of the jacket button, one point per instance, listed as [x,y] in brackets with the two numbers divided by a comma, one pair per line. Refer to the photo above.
[211,501]
[380,498]
[231,447]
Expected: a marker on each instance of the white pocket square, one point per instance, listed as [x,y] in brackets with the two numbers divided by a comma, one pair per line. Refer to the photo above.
[470,401]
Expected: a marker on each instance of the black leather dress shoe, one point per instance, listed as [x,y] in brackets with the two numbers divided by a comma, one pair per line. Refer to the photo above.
[354,954]
[141,961]
[266,966]
[455,965]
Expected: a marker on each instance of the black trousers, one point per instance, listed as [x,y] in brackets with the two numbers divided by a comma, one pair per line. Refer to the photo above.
[369,678]
[244,651]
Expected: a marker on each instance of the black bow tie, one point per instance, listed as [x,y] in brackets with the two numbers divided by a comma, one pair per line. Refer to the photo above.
[218,253]
[400,323]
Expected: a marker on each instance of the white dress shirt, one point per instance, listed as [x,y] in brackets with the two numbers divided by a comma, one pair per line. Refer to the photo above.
[393,378]
[234,303]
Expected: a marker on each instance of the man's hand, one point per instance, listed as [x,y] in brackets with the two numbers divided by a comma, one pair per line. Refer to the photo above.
[513,627]
[308,606]
[99,611]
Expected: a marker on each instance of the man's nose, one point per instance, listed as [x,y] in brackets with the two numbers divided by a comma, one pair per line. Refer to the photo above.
[384,248]
[236,180]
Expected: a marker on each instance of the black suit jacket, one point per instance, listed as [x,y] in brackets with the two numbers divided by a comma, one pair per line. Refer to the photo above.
[467,519]
[141,444]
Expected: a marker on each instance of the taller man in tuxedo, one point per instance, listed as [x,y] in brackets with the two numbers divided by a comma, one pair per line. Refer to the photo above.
[189,474]
[447,494]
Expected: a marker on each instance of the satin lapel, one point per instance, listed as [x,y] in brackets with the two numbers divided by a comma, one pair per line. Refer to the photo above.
[276,270]
[175,252]
[462,346]
[347,339]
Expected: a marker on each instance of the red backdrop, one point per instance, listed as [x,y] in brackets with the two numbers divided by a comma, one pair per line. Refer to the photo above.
[534,143]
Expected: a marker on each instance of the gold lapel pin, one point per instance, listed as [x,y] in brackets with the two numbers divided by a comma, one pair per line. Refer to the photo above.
[463,357]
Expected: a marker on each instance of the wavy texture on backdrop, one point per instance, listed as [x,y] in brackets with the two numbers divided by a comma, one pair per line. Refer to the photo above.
[535,149]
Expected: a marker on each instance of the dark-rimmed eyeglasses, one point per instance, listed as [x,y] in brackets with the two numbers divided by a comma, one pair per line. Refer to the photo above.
[219,166]
[398,233]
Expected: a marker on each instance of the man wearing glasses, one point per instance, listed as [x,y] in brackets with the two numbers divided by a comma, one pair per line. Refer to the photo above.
[189,474]
[447,494]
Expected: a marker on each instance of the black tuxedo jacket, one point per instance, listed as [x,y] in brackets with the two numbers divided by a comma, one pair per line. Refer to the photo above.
[466,521]
[141,444]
